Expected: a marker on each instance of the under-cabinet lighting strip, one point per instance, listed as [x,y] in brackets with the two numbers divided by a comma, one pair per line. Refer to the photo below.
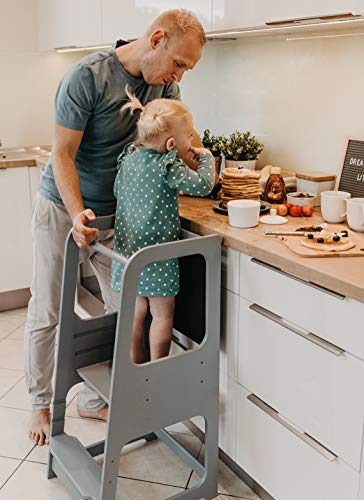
[78,49]
[324,36]
[284,28]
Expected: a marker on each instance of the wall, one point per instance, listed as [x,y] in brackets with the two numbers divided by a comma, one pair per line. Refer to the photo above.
[301,98]
[28,79]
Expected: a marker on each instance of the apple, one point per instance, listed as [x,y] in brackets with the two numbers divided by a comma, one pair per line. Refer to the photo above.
[281,209]
[295,211]
[307,210]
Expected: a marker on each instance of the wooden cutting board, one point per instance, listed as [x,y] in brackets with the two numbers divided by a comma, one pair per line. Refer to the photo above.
[294,244]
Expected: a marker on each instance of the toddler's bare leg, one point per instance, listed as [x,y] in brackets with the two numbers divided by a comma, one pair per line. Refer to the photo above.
[160,335]
[138,353]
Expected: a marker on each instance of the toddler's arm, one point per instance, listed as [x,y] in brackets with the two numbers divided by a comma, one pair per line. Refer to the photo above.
[199,183]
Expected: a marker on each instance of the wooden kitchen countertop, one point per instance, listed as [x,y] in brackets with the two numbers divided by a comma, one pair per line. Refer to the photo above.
[344,275]
[36,156]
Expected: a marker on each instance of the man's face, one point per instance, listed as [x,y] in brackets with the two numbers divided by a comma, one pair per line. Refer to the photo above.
[169,59]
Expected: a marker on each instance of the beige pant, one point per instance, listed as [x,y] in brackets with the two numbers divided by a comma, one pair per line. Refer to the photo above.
[50,227]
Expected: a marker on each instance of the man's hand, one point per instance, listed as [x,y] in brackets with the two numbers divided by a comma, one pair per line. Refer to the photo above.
[82,234]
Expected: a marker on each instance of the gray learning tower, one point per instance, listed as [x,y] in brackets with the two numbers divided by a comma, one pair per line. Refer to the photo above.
[142,399]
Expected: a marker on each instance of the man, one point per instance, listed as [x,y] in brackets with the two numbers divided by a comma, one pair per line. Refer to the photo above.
[77,184]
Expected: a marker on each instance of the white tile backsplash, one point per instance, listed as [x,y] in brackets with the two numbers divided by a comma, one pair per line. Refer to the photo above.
[301,98]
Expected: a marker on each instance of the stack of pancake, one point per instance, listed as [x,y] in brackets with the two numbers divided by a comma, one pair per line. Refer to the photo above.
[238,184]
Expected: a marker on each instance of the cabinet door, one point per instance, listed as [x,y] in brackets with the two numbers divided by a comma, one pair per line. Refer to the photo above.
[35,174]
[316,388]
[227,415]
[130,19]
[229,14]
[284,460]
[229,334]
[16,243]
[63,23]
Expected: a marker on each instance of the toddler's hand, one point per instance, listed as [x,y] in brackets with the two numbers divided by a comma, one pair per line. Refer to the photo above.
[200,151]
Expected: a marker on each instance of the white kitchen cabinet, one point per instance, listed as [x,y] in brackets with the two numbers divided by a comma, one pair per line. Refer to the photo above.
[64,23]
[130,19]
[230,14]
[16,242]
[317,387]
[332,317]
[285,461]
[227,415]
[230,269]
[35,174]
[229,333]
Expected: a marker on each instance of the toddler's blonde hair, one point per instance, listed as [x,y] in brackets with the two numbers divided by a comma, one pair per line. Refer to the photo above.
[157,117]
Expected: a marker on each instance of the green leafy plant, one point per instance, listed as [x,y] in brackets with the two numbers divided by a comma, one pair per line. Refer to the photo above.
[242,146]
[212,142]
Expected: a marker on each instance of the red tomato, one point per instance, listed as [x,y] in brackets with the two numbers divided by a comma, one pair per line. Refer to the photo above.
[281,209]
[307,211]
[295,211]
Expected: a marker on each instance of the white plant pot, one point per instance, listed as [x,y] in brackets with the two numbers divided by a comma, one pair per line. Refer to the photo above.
[249,164]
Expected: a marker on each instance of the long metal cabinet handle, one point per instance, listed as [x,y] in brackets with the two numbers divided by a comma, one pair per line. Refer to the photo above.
[301,280]
[324,344]
[323,17]
[306,438]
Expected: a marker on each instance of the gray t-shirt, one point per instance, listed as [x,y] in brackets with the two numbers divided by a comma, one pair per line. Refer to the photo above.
[89,98]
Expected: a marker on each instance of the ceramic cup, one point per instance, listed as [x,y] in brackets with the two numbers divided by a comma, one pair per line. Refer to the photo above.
[355,215]
[333,206]
[243,213]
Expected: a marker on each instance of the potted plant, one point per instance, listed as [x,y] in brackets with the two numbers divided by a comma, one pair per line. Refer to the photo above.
[241,149]
[213,143]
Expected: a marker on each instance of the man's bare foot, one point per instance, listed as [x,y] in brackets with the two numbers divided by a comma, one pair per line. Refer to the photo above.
[98,415]
[39,426]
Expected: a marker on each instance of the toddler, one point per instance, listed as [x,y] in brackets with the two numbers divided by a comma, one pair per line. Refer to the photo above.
[146,188]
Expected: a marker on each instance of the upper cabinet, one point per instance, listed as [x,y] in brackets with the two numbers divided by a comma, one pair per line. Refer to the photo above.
[244,14]
[130,19]
[65,23]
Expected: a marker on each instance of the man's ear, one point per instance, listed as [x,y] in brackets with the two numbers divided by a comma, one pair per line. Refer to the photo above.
[171,144]
[157,38]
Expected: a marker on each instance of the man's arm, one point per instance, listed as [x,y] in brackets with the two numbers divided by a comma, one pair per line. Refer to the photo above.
[65,147]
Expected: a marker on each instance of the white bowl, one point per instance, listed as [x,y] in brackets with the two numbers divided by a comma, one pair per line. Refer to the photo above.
[301,202]
[243,213]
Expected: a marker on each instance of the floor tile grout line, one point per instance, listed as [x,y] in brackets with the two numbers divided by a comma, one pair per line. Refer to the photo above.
[11,388]
[11,369]
[152,482]
[12,458]
[189,479]
[12,331]
[12,474]
[14,408]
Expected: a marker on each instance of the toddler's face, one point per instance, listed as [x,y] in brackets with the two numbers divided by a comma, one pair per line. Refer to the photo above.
[183,134]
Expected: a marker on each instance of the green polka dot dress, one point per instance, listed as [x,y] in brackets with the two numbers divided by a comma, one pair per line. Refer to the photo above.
[146,188]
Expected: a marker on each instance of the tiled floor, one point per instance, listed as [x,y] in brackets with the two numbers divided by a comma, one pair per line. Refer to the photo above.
[146,471]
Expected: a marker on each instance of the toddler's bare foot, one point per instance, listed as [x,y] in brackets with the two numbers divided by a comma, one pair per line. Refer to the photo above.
[39,426]
[98,415]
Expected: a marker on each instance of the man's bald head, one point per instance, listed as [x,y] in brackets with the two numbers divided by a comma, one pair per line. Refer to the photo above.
[178,22]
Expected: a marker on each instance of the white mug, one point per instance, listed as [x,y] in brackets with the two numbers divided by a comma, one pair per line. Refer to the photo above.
[333,206]
[243,213]
[356,214]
